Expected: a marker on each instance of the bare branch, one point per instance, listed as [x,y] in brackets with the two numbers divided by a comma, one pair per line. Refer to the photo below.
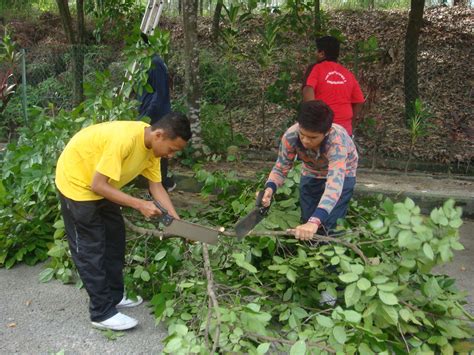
[212,295]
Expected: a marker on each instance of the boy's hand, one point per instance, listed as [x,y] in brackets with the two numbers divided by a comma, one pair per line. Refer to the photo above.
[305,231]
[267,197]
[148,209]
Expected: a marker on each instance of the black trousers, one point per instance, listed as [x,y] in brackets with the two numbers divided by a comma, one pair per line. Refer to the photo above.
[96,236]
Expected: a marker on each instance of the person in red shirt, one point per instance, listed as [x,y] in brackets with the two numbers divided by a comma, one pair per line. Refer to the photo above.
[332,83]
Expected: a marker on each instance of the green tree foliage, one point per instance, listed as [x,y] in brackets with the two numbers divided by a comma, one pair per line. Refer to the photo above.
[269,289]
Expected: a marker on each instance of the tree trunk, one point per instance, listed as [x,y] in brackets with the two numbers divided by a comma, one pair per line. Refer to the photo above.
[76,42]
[191,59]
[415,20]
[371,4]
[216,20]
[317,17]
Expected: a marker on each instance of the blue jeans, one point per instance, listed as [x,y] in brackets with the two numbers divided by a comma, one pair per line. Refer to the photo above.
[311,191]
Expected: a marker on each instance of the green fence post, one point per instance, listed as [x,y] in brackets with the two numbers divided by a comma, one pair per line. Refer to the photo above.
[356,61]
[23,84]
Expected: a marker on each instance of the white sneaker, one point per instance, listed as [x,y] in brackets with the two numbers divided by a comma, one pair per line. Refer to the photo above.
[127,303]
[118,322]
[171,188]
[327,299]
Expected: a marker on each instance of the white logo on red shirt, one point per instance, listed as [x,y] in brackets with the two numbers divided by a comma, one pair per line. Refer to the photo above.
[335,78]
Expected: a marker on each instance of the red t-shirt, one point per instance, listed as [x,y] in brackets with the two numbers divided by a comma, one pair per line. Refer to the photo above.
[338,88]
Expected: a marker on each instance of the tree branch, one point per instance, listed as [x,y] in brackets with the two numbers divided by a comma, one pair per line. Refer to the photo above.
[212,296]
[316,237]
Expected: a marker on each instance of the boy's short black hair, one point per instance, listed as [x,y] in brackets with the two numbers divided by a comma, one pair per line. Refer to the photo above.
[315,116]
[175,124]
[330,45]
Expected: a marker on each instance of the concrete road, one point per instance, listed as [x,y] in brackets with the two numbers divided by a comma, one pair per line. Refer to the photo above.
[37,318]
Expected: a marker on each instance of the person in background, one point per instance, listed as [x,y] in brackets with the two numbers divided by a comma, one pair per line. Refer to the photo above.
[95,164]
[332,83]
[157,104]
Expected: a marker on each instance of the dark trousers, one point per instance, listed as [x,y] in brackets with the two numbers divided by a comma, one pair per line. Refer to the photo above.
[311,191]
[96,236]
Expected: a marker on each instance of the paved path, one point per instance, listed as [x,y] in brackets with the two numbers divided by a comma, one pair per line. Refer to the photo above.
[37,318]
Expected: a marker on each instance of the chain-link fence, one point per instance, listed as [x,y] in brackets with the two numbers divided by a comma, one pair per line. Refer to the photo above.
[43,77]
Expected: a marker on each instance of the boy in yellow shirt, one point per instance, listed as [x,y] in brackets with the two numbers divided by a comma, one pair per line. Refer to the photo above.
[95,164]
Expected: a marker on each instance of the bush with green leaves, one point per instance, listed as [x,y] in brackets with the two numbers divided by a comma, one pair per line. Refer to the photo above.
[29,205]
[217,130]
[28,201]
[221,82]
[269,289]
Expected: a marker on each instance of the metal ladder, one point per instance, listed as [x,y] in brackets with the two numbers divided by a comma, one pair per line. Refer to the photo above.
[150,20]
[152,16]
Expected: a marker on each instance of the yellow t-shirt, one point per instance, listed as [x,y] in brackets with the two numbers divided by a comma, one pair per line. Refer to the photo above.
[115,149]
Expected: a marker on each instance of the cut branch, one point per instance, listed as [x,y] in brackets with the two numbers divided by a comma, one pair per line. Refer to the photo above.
[212,296]
[316,237]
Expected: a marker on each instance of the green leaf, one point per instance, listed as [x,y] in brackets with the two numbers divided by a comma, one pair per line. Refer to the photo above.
[160,255]
[145,276]
[388,287]
[404,238]
[388,298]
[365,349]
[408,263]
[376,224]
[357,269]
[455,223]
[339,334]
[59,224]
[428,251]
[349,277]
[380,279]
[181,329]
[409,204]
[46,275]
[435,216]
[390,314]
[299,312]
[363,284]
[456,245]
[402,213]
[298,348]
[186,316]
[405,314]
[173,345]
[351,295]
[263,348]
[291,275]
[352,316]
[324,321]
[56,251]
[240,261]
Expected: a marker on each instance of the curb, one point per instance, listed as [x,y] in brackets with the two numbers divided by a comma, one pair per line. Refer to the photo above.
[425,199]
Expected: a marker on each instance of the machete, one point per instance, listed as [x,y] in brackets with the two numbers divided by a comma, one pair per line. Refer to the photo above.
[185,229]
[247,223]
